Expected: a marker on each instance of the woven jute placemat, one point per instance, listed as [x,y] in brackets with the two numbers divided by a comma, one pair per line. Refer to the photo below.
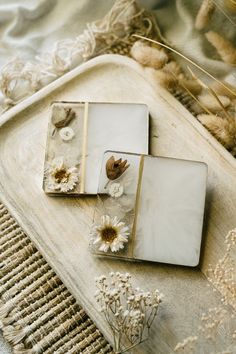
[37,312]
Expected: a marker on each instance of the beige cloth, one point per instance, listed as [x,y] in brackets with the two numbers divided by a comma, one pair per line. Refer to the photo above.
[31,27]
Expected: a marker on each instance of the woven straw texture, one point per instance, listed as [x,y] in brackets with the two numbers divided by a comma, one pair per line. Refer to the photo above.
[37,312]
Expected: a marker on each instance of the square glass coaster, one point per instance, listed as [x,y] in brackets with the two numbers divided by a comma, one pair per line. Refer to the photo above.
[79,134]
[149,208]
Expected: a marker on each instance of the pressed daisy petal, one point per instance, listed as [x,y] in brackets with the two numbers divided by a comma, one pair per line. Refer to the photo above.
[104,247]
[61,178]
[110,234]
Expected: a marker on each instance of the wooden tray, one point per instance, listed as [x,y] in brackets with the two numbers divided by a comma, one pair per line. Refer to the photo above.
[60,226]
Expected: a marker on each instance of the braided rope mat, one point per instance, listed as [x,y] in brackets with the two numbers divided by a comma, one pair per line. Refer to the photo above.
[37,312]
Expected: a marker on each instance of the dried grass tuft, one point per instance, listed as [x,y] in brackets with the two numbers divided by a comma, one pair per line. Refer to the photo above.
[224,47]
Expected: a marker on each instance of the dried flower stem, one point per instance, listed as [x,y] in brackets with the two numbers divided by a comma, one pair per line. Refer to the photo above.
[129,312]
[193,96]
[219,7]
[212,92]
[187,59]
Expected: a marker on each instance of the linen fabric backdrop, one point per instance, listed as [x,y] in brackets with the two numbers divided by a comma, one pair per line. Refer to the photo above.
[32,27]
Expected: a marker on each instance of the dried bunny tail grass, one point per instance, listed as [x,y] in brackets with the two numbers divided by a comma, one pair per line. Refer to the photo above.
[173,67]
[211,100]
[212,104]
[204,14]
[224,47]
[171,77]
[163,78]
[224,130]
[148,56]
[192,85]
[186,59]
[221,90]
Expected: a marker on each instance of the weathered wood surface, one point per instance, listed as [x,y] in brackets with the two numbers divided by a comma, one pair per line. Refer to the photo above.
[60,226]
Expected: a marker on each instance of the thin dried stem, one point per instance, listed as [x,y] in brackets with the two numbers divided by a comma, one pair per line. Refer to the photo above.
[218,6]
[194,97]
[212,92]
[187,59]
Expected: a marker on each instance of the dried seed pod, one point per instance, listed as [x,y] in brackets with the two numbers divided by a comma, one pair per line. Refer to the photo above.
[115,168]
[221,90]
[224,47]
[223,129]
[62,116]
[165,79]
[204,14]
[192,85]
[173,67]
[148,56]
[211,102]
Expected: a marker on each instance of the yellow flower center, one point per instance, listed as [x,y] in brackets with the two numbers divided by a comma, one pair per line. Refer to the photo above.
[61,175]
[108,234]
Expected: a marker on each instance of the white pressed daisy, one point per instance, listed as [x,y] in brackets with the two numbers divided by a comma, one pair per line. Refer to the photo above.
[61,178]
[66,133]
[116,190]
[110,233]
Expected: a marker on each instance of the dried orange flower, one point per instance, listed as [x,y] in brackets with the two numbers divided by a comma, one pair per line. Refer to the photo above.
[115,168]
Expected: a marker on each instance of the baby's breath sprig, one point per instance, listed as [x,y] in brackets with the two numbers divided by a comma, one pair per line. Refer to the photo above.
[129,311]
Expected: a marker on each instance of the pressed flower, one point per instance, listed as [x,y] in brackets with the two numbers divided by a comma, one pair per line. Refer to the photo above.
[60,177]
[115,168]
[116,190]
[62,116]
[129,312]
[111,233]
[66,133]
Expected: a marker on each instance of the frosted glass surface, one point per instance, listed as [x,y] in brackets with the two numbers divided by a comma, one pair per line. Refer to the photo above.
[110,126]
[118,127]
[121,207]
[170,215]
